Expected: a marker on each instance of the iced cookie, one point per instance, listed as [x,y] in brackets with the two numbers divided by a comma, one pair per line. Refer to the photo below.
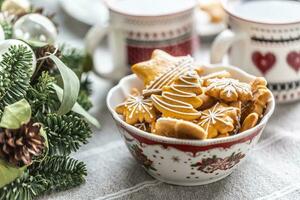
[137,109]
[183,66]
[180,99]
[159,63]
[219,74]
[179,129]
[144,126]
[228,89]
[218,120]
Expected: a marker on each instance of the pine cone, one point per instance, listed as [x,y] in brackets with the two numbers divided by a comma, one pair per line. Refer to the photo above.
[47,64]
[19,146]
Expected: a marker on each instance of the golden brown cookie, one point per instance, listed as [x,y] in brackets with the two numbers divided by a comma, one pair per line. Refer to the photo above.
[219,119]
[137,109]
[219,74]
[181,99]
[228,89]
[175,128]
[159,63]
[208,101]
[250,121]
[257,106]
[144,126]
[183,66]
[214,9]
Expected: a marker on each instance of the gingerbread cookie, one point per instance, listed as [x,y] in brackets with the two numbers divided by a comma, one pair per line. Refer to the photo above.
[228,89]
[214,9]
[219,119]
[254,109]
[159,63]
[250,121]
[144,126]
[219,74]
[166,78]
[170,127]
[181,99]
[137,109]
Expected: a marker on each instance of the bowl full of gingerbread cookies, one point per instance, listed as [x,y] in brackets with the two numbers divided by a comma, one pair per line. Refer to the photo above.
[188,124]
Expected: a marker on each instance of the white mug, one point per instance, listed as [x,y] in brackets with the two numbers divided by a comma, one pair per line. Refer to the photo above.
[264,40]
[137,27]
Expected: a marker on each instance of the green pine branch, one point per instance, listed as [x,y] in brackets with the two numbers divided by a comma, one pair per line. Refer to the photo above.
[26,187]
[84,100]
[55,173]
[73,58]
[41,95]
[15,73]
[7,28]
[60,172]
[85,92]
[65,133]
[86,85]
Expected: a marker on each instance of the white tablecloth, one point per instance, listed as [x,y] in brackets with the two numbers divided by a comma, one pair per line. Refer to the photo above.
[272,171]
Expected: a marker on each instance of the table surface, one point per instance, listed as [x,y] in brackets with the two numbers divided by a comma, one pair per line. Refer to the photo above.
[272,171]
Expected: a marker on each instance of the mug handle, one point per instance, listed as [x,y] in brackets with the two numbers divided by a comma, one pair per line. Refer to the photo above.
[92,39]
[222,43]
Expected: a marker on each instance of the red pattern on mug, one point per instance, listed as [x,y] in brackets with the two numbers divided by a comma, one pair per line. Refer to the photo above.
[138,54]
[263,62]
[293,59]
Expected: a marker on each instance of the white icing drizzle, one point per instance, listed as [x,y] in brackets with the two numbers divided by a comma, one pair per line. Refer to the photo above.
[166,78]
[230,86]
[137,104]
[215,114]
[176,105]
[141,126]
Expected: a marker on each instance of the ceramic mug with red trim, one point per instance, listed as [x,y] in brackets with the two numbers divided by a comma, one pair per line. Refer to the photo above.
[264,40]
[181,161]
[137,27]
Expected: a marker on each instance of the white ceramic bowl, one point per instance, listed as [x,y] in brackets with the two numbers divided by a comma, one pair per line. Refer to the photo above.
[180,161]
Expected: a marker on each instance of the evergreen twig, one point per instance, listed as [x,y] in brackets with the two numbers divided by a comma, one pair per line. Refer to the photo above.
[55,173]
[60,172]
[65,133]
[15,74]
[41,95]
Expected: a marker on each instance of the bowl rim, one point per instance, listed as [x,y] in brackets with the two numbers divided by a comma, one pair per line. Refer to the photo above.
[164,139]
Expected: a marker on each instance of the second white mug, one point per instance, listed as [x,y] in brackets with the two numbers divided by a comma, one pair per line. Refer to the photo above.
[264,44]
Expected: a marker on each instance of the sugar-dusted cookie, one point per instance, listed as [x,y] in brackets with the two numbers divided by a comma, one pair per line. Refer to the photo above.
[228,89]
[159,63]
[218,120]
[170,127]
[137,109]
[180,99]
